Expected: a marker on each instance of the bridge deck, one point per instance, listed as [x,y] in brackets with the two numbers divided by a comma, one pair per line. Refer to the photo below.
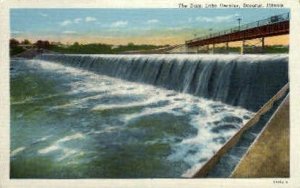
[273,26]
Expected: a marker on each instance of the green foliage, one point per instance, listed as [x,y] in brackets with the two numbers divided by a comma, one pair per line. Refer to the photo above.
[99,48]
[133,47]
[16,50]
[250,50]
[13,43]
[26,41]
[277,49]
[267,49]
[77,48]
[42,44]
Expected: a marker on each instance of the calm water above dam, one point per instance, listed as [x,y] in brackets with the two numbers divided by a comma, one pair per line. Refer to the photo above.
[71,122]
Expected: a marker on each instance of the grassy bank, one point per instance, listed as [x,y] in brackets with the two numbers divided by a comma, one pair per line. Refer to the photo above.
[276,49]
[100,48]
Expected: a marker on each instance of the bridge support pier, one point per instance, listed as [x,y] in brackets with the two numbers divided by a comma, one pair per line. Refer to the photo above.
[227,47]
[263,45]
[242,47]
[213,49]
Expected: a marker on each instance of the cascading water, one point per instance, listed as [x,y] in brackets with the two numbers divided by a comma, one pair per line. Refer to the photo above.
[81,118]
[247,80]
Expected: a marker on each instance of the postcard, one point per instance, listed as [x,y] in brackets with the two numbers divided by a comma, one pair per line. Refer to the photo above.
[155,94]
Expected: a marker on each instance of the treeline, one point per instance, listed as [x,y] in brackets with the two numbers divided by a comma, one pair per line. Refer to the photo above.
[17,47]
[76,48]
[99,48]
[274,49]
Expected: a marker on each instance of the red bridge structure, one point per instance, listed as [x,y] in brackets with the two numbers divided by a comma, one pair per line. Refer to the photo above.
[272,26]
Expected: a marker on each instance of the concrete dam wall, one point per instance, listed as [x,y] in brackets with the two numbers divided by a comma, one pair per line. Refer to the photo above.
[240,80]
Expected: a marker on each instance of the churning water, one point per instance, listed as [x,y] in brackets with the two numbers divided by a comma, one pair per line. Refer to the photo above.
[89,120]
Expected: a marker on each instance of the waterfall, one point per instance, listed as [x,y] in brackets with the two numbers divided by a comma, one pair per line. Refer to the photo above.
[240,80]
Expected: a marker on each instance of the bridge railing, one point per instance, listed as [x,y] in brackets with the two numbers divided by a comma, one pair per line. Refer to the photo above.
[270,20]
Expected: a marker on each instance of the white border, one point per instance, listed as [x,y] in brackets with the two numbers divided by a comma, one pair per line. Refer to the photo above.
[294,73]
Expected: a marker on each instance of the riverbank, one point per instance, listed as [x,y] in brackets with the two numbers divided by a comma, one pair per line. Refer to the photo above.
[31,53]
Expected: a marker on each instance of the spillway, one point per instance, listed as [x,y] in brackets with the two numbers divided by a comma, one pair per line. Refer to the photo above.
[239,80]
[132,116]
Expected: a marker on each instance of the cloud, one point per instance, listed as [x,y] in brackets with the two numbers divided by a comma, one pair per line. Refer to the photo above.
[90,19]
[77,21]
[69,32]
[66,22]
[119,23]
[217,19]
[152,21]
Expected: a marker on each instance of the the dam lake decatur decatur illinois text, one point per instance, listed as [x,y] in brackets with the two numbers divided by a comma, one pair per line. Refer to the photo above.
[130,93]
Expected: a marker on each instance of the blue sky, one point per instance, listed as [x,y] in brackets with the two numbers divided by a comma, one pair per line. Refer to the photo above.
[125,25]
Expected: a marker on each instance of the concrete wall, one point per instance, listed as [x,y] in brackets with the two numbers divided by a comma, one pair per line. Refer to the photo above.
[268,156]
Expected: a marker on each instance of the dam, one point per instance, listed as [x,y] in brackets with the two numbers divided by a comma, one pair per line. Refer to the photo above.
[133,116]
[234,80]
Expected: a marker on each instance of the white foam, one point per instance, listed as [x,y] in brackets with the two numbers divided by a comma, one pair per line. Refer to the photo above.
[58,146]
[49,149]
[202,144]
[17,151]
[71,137]
[107,129]
[67,152]
[44,138]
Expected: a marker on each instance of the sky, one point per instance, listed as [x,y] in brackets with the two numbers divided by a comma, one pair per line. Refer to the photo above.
[121,26]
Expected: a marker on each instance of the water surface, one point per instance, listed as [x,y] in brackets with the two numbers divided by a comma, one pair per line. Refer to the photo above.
[72,123]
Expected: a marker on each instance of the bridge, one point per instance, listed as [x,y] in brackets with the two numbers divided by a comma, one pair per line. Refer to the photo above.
[272,26]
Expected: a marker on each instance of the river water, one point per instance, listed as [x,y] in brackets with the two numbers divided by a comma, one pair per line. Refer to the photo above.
[72,123]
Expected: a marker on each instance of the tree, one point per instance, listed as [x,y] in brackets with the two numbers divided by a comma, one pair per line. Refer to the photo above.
[42,44]
[46,44]
[130,44]
[13,43]
[26,42]
[39,44]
